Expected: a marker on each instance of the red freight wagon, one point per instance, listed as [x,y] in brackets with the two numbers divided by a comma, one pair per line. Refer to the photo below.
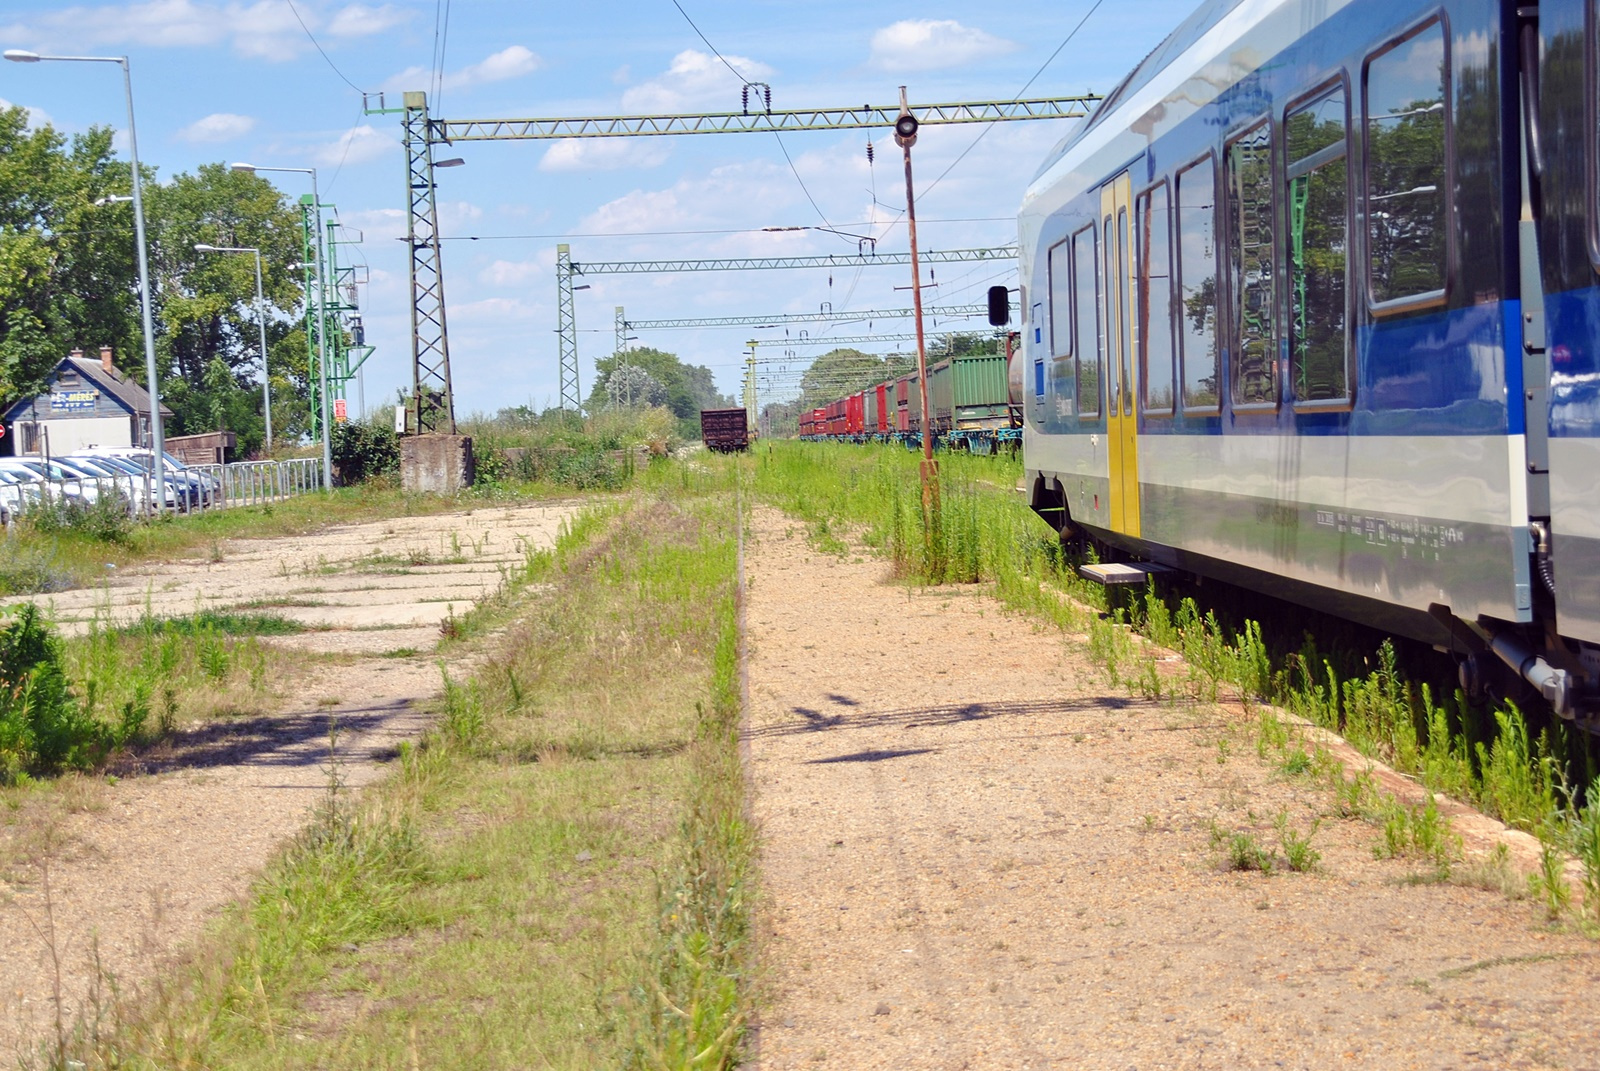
[855,414]
[884,421]
[904,389]
[836,417]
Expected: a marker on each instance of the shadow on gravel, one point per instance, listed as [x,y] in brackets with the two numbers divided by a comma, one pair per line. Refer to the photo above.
[285,741]
[951,714]
[873,755]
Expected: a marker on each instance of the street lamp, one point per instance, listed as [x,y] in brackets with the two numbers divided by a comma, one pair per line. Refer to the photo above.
[261,320]
[322,314]
[157,439]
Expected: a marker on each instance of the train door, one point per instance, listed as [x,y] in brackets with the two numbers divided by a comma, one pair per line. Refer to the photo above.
[1116,268]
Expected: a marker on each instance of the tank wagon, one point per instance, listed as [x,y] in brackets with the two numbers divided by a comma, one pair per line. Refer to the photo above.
[1311,304]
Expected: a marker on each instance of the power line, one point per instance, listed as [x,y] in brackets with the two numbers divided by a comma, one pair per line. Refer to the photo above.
[319,47]
[433,62]
[985,131]
[707,40]
[776,136]
[444,46]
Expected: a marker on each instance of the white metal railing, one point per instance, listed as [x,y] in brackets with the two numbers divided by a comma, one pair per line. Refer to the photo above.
[250,483]
[193,487]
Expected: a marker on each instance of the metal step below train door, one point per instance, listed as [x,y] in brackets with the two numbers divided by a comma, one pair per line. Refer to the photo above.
[1121,426]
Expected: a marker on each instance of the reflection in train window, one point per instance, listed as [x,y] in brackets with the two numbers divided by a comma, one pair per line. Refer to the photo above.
[1060,298]
[1249,179]
[1406,178]
[1314,142]
[1086,319]
[1155,301]
[1197,285]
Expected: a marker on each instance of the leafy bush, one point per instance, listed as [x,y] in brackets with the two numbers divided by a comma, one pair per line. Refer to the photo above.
[105,520]
[363,451]
[42,728]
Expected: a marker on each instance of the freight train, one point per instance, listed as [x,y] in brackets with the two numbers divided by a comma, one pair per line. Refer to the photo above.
[976,407]
[1311,305]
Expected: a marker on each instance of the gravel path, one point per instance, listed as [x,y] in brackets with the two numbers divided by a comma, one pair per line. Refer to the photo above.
[977,855]
[137,867]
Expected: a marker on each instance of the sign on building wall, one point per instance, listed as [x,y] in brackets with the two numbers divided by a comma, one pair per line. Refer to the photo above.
[73,401]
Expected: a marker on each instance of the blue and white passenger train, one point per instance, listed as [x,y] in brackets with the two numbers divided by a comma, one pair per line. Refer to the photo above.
[1312,305]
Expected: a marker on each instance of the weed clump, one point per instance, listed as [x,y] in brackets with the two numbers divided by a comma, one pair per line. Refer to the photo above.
[42,727]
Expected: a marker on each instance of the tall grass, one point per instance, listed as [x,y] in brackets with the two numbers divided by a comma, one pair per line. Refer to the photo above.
[70,703]
[556,877]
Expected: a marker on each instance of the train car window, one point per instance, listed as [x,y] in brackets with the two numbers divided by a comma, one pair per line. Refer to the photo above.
[1060,300]
[1124,316]
[1407,180]
[1086,320]
[1315,138]
[1155,302]
[1250,227]
[1197,285]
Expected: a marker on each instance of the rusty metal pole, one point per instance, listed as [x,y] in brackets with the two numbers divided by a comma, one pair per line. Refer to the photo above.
[905,135]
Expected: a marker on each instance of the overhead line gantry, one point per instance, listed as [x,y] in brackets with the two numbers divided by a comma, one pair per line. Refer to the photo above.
[433,400]
[949,312]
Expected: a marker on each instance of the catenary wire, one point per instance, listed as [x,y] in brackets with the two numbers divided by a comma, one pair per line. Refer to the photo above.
[746,81]
[990,126]
[319,48]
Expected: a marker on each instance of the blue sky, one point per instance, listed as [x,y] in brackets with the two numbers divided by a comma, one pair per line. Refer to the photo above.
[224,80]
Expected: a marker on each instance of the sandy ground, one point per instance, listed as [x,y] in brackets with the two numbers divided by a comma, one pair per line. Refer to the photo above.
[976,854]
[143,863]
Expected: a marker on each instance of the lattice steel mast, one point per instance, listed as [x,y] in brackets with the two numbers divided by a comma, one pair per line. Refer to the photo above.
[432,399]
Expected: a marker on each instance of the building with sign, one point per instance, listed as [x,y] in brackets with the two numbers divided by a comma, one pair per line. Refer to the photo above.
[89,403]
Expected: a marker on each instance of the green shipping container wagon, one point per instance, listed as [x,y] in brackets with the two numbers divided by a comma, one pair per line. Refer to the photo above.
[982,394]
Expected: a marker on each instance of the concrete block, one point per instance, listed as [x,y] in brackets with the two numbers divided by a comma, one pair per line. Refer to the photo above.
[436,464]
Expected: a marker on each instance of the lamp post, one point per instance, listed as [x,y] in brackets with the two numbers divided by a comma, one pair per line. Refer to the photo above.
[322,314]
[261,321]
[157,439]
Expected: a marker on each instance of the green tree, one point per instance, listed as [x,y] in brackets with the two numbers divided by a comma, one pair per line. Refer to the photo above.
[67,275]
[68,278]
[688,388]
[206,303]
[845,371]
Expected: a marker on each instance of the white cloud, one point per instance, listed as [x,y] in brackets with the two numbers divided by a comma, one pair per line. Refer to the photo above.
[932,44]
[603,154]
[266,28]
[694,80]
[356,146]
[514,61]
[378,224]
[641,210]
[218,127]
[37,117]
[494,309]
[358,20]
[510,272]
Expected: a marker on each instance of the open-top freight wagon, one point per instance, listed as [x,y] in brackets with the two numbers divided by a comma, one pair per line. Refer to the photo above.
[725,430]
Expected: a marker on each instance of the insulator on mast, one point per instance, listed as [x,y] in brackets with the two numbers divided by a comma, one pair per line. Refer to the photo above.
[869,150]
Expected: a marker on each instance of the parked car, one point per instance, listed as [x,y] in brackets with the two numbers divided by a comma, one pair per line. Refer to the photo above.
[179,493]
[203,489]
